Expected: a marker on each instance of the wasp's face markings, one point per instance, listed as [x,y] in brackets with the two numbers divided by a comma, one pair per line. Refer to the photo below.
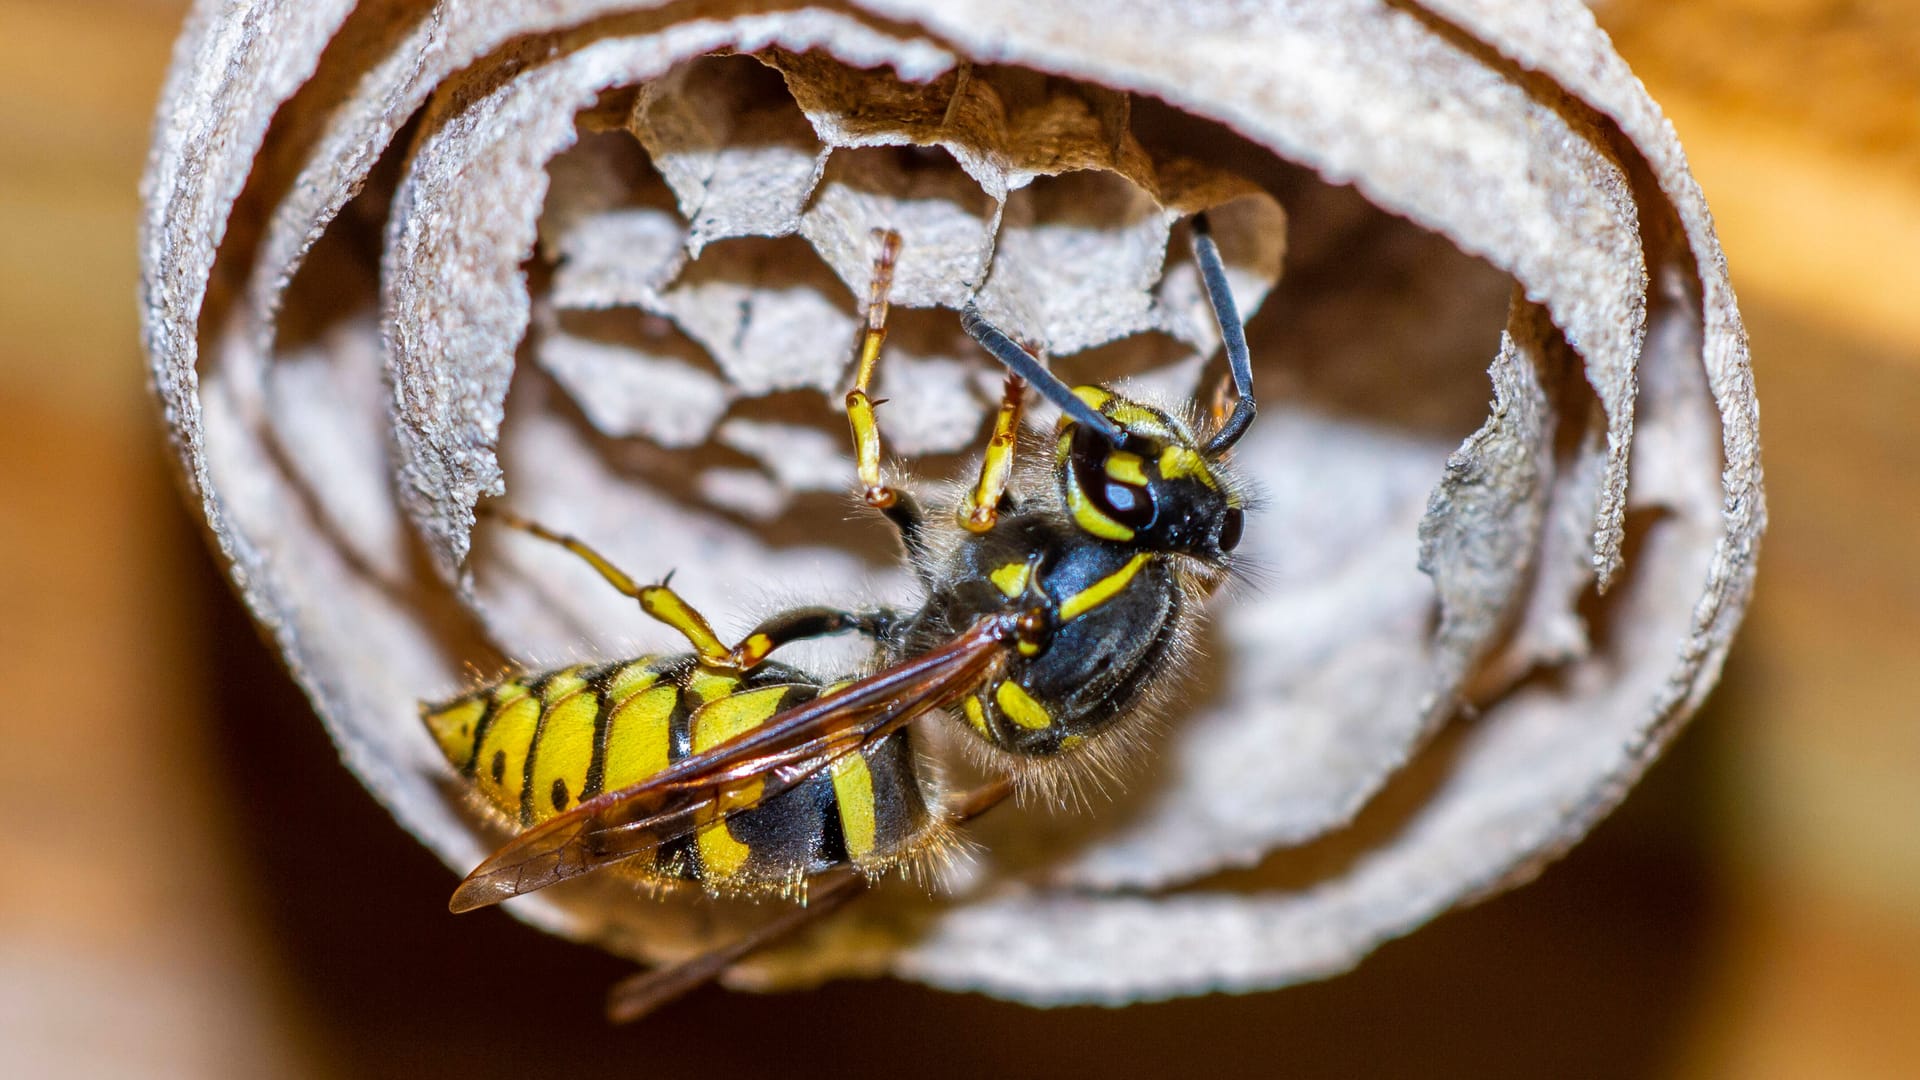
[1156,488]
[1114,480]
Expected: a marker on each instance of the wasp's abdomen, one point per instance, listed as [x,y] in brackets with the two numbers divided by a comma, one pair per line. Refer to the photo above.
[536,746]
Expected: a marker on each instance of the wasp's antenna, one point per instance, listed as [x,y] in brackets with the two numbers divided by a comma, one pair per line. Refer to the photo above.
[1028,367]
[1233,334]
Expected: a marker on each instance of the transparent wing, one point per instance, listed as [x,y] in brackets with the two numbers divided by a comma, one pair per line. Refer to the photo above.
[790,747]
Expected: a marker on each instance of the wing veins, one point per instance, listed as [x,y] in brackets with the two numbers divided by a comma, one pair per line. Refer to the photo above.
[791,746]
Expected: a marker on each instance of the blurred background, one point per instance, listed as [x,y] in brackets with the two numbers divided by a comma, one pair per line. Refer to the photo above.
[190,885]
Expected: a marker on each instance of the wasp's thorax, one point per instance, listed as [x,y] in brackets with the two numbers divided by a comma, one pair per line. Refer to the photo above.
[1106,569]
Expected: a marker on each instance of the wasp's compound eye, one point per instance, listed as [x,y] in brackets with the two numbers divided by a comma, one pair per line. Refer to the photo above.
[1230,527]
[1128,504]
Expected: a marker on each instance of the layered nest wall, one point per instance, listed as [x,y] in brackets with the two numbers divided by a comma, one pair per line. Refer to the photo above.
[607,265]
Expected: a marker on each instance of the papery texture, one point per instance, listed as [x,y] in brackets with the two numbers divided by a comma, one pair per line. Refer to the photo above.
[606,261]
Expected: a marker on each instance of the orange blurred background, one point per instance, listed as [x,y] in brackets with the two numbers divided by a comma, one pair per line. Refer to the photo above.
[190,885]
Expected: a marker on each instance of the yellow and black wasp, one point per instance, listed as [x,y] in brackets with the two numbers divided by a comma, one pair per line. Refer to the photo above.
[1057,601]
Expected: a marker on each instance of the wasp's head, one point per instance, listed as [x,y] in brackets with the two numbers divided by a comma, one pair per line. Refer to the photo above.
[1129,472]
[1156,486]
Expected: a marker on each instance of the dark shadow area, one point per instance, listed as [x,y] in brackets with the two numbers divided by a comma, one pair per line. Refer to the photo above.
[885,174]
[1594,970]
[1405,344]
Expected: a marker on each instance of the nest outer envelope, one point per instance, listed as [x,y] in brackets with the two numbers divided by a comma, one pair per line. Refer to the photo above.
[338,466]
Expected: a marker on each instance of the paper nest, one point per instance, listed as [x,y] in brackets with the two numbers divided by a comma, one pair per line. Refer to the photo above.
[608,262]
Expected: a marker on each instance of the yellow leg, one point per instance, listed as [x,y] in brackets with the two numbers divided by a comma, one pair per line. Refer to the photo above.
[661,602]
[983,503]
[866,430]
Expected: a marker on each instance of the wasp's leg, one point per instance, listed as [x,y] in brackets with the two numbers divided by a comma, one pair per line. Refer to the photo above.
[899,507]
[796,624]
[910,521]
[983,504]
[860,407]
[659,601]
[636,996]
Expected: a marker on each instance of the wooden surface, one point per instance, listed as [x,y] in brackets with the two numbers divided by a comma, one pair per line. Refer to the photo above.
[185,884]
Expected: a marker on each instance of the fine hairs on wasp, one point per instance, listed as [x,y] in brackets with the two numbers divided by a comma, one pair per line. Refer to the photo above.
[1059,604]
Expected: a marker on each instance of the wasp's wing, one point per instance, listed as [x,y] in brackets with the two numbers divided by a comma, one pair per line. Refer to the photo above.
[790,747]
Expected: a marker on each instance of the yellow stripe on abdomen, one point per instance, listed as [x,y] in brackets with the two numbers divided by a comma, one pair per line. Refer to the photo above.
[733,716]
[500,768]
[708,686]
[635,676]
[639,737]
[853,793]
[453,727]
[721,855]
[564,753]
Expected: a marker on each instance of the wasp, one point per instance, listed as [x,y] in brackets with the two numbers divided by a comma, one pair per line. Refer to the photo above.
[1057,601]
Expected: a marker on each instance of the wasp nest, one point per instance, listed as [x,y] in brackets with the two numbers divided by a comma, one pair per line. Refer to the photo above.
[605,260]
